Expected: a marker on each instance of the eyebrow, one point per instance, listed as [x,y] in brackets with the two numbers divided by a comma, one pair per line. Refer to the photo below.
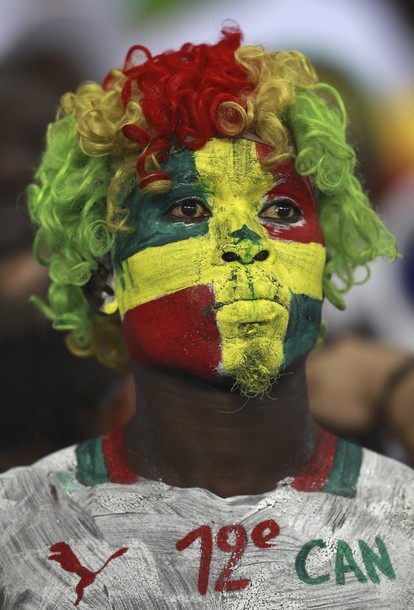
[277,183]
[186,180]
[288,179]
[191,177]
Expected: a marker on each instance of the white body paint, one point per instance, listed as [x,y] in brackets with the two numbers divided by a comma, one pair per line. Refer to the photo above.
[150,517]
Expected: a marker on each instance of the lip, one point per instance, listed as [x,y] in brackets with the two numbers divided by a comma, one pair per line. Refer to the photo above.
[248,316]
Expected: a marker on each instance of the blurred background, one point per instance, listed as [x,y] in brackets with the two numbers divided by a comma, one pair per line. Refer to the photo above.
[49,399]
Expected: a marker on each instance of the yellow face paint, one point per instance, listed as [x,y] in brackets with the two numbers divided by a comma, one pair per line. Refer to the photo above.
[162,270]
[253,275]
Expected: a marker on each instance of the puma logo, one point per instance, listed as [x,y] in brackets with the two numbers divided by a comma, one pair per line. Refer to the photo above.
[64,555]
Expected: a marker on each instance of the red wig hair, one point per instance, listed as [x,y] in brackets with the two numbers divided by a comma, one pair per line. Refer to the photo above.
[184,96]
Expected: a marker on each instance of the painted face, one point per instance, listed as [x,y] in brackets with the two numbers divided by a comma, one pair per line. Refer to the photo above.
[223,275]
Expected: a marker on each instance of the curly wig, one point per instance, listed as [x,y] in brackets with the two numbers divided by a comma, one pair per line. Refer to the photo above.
[108,139]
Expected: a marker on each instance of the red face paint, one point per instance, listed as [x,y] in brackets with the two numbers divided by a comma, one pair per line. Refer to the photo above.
[178,331]
[116,459]
[298,190]
[314,473]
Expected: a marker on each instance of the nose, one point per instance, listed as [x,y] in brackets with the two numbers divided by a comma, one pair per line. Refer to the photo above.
[246,258]
[246,247]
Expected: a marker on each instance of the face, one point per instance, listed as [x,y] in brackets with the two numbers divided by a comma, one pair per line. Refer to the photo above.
[223,275]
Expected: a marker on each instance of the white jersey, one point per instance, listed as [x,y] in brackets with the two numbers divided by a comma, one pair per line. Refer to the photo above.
[79,528]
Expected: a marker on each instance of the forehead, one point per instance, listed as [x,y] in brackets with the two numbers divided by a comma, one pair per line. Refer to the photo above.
[234,168]
[224,164]
[221,162]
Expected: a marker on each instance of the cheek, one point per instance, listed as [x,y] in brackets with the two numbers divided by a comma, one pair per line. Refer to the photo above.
[177,331]
[297,267]
[305,232]
[304,327]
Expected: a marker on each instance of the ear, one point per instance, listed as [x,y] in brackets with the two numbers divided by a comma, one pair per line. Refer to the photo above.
[99,291]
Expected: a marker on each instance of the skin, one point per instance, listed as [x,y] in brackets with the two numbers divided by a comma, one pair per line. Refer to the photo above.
[220,283]
[342,398]
[348,381]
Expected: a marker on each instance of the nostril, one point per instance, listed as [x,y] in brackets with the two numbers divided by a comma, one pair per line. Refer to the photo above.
[230,257]
[262,255]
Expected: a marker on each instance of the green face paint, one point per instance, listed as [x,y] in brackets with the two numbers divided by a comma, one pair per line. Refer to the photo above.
[303,327]
[148,214]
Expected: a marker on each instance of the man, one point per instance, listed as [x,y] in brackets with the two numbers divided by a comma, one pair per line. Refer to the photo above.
[221,491]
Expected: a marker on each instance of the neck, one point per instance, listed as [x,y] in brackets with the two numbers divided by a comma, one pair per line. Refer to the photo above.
[190,433]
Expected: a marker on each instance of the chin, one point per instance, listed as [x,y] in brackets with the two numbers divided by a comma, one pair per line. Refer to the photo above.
[255,367]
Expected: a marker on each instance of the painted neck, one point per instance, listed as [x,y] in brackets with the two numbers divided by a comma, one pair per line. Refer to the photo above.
[190,433]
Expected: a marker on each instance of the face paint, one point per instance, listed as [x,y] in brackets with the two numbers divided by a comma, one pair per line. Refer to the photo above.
[223,275]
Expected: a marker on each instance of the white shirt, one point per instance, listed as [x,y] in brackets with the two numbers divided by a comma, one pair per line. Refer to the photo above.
[337,536]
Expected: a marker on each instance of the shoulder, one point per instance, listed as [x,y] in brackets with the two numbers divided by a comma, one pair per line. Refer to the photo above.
[344,469]
[22,482]
[63,460]
[89,464]
[382,474]
[359,480]
[384,479]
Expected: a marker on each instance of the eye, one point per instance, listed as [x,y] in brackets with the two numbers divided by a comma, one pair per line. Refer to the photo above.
[281,210]
[191,209]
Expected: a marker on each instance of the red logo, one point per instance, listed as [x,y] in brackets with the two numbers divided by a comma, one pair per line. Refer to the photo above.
[64,555]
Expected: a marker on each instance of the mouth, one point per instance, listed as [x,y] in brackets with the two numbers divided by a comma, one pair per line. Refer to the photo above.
[250,316]
[252,328]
